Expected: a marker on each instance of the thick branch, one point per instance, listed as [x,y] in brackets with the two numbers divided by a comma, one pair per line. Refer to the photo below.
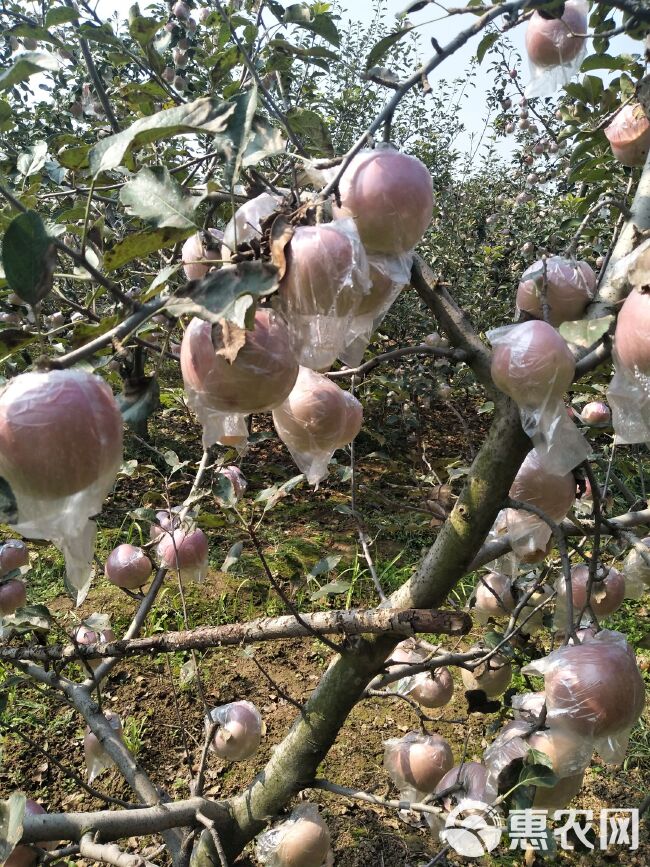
[354,622]
[118,824]
[453,319]
[609,297]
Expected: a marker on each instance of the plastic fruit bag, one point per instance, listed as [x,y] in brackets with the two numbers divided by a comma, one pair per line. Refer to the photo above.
[97,759]
[240,730]
[594,690]
[245,227]
[554,52]
[416,763]
[326,279]
[60,451]
[569,287]
[302,840]
[532,363]
[317,418]
[388,276]
[222,390]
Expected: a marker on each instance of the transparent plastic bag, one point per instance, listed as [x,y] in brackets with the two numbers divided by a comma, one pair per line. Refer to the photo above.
[533,364]
[471,777]
[222,393]
[570,286]
[302,839]
[629,397]
[528,706]
[570,754]
[240,730]
[388,276]
[97,759]
[553,494]
[244,227]
[593,690]
[416,763]
[636,569]
[554,54]
[326,280]
[315,420]
[60,451]
[185,552]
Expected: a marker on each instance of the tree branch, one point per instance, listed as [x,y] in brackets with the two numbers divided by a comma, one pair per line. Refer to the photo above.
[348,622]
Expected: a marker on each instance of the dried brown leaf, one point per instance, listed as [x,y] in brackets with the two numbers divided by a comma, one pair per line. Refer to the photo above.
[280,235]
[228,339]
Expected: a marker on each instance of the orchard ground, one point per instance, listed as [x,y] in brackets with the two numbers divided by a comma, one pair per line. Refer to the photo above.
[297,534]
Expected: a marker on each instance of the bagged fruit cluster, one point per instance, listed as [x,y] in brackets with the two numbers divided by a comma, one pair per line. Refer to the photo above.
[239,732]
[555,47]
[568,753]
[326,279]
[532,364]
[554,495]
[222,392]
[629,390]
[388,276]
[429,688]
[317,418]
[60,451]
[593,690]
[302,840]
[416,763]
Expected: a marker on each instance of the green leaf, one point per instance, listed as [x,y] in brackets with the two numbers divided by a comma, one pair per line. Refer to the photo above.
[12,812]
[333,588]
[102,34]
[74,157]
[142,29]
[272,496]
[32,160]
[154,196]
[585,332]
[604,61]
[32,31]
[224,491]
[227,293]
[27,64]
[161,279]
[207,115]
[30,618]
[28,257]
[537,775]
[325,565]
[485,44]
[312,129]
[321,24]
[60,15]
[384,45]
[232,556]
[141,244]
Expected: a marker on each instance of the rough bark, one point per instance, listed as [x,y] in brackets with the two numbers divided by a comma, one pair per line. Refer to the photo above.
[355,622]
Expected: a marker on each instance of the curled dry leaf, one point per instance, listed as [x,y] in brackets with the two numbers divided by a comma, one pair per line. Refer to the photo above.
[280,235]
[228,338]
